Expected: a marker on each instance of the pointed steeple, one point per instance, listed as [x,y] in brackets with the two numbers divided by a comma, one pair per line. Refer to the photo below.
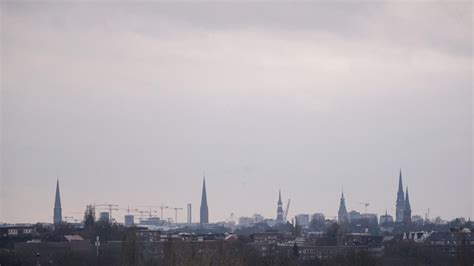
[400,204]
[280,208]
[57,218]
[400,183]
[204,214]
[342,215]
[407,200]
[407,209]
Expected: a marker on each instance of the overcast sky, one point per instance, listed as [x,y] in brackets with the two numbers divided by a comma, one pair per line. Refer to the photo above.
[129,104]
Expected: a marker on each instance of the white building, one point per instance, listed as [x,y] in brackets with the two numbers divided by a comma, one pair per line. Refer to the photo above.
[302,219]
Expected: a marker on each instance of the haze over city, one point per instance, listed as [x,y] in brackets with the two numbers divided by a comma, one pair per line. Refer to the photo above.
[129,104]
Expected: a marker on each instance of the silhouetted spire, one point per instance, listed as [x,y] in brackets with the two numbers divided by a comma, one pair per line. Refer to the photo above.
[280,208]
[400,183]
[400,205]
[204,209]
[57,218]
[407,209]
[342,215]
[407,201]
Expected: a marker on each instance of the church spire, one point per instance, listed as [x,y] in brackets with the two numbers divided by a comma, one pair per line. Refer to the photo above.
[57,218]
[279,196]
[400,204]
[204,213]
[407,209]
[342,215]
[280,208]
[400,183]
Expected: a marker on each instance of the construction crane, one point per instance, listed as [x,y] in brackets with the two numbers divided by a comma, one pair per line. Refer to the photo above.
[286,210]
[176,214]
[161,208]
[110,207]
[366,204]
[67,217]
[141,213]
[128,210]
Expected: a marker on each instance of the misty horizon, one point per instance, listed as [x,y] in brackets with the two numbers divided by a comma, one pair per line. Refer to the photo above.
[129,104]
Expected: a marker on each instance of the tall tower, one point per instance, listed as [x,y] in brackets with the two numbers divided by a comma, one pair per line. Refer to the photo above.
[189,213]
[279,208]
[407,209]
[342,216]
[204,210]
[400,201]
[57,218]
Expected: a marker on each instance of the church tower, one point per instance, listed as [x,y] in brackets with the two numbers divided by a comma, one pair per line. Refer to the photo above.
[407,209]
[342,216]
[279,209]
[400,206]
[204,214]
[57,218]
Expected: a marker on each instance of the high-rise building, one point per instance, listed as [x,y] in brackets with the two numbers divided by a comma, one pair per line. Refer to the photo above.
[189,220]
[280,209]
[318,217]
[129,220]
[104,216]
[407,209]
[302,219]
[57,218]
[342,216]
[204,214]
[400,206]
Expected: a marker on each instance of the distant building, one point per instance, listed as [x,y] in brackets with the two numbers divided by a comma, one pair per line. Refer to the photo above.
[148,235]
[129,220]
[57,218]
[104,216]
[246,221]
[417,219]
[258,218]
[370,218]
[153,221]
[189,217]
[302,219]
[385,219]
[366,219]
[354,216]
[204,213]
[342,216]
[319,217]
[279,209]
[17,231]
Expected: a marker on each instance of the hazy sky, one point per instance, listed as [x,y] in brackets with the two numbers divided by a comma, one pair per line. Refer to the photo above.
[129,103]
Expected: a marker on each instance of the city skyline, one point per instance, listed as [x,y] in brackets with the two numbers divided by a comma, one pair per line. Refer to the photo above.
[127,104]
[400,215]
